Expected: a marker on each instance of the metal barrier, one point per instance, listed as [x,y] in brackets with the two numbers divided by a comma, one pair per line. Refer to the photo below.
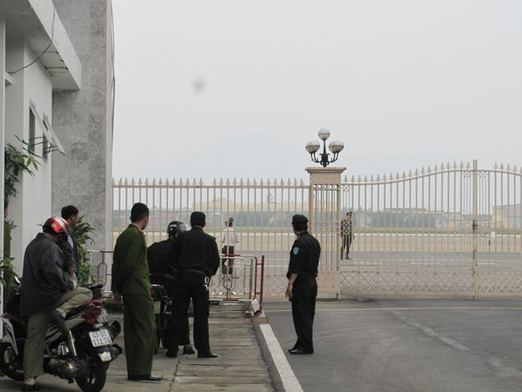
[101,263]
[241,277]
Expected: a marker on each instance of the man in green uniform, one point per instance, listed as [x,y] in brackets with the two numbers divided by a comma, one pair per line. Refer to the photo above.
[130,279]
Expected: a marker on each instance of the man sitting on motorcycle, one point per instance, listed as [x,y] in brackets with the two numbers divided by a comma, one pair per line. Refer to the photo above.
[163,272]
[47,293]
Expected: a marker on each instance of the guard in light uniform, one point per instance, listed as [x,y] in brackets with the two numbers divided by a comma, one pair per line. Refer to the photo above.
[195,255]
[302,284]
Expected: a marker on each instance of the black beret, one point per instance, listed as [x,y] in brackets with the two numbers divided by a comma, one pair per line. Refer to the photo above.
[197,218]
[299,220]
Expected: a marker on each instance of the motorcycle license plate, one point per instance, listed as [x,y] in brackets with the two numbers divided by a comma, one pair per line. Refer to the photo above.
[157,307]
[102,337]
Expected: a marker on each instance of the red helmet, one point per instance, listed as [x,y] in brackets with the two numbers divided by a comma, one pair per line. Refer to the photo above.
[56,226]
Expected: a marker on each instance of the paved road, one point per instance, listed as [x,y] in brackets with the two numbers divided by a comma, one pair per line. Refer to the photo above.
[408,345]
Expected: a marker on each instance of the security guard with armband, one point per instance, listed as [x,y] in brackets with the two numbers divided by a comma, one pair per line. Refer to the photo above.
[195,255]
[302,284]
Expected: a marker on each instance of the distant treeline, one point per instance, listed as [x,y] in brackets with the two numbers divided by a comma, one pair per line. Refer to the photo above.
[278,219]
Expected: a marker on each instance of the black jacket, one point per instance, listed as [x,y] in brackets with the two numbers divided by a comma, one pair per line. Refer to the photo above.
[44,280]
[304,256]
[158,257]
[195,250]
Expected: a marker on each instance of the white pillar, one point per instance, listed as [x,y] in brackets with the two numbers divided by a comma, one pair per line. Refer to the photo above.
[325,204]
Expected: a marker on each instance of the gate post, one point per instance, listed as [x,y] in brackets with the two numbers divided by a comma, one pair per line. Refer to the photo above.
[474,226]
[324,210]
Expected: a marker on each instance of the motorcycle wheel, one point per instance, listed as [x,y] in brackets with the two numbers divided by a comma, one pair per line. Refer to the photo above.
[159,326]
[97,377]
[157,343]
[10,364]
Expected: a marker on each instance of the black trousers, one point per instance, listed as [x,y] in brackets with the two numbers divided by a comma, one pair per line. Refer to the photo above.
[193,287]
[347,242]
[304,294]
[227,250]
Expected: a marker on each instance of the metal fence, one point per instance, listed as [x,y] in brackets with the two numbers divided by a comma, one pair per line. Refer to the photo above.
[451,229]
[262,212]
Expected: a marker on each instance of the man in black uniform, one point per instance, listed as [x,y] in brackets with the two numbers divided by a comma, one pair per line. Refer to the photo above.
[302,285]
[196,256]
[162,272]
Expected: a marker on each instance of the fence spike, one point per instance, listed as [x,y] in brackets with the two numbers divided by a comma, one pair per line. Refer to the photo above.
[501,166]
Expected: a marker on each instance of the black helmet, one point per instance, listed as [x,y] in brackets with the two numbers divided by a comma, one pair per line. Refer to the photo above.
[176,226]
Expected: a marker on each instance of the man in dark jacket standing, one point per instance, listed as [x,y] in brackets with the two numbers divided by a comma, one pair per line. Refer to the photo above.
[130,279]
[162,272]
[302,284]
[45,287]
[71,215]
[196,256]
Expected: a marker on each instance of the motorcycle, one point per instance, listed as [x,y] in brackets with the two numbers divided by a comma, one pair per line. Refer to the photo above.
[79,348]
[162,312]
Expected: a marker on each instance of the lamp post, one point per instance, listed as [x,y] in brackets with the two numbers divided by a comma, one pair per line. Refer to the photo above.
[335,147]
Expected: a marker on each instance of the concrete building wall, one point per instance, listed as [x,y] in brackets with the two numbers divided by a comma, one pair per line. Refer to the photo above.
[83,119]
[31,88]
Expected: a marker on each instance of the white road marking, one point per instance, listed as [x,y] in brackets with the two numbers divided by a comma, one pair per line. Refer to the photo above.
[288,377]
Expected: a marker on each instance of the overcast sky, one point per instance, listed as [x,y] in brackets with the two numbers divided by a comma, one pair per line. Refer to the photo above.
[236,88]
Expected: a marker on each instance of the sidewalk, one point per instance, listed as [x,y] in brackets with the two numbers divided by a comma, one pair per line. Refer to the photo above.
[239,367]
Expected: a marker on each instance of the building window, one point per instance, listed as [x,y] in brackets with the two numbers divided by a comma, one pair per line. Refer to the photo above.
[45,143]
[32,131]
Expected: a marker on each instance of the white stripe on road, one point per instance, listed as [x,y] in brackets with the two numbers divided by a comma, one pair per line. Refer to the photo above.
[288,377]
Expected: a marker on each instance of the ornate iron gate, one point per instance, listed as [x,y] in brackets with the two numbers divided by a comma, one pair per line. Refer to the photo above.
[448,230]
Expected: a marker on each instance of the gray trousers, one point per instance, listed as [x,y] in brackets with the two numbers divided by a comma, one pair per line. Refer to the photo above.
[37,329]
